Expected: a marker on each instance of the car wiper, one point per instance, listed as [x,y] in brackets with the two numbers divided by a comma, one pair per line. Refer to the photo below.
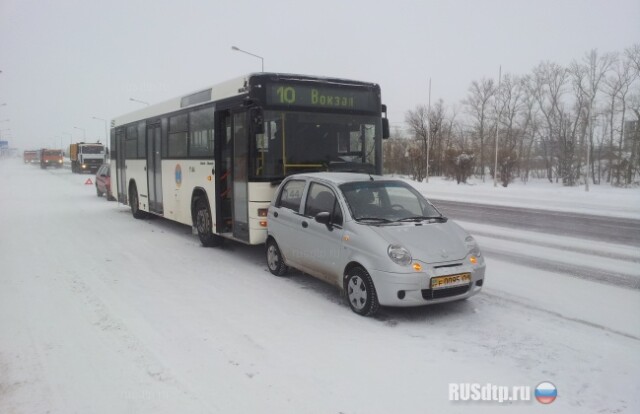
[380,219]
[422,218]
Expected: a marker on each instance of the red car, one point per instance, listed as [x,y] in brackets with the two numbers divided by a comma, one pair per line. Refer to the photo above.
[103,181]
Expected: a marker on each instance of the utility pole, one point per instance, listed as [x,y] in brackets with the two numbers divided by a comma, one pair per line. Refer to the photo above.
[495,166]
[589,126]
[428,128]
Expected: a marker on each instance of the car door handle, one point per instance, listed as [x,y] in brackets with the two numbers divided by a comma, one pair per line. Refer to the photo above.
[305,224]
[275,214]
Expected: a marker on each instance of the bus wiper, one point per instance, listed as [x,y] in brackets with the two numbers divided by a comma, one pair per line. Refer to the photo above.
[422,218]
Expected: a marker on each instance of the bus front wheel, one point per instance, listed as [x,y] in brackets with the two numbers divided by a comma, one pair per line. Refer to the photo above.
[203,225]
[135,205]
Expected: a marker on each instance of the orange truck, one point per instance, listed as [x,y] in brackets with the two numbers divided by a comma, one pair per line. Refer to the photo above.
[30,157]
[51,158]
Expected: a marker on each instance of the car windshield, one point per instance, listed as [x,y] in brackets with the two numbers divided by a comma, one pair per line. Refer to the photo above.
[92,149]
[386,201]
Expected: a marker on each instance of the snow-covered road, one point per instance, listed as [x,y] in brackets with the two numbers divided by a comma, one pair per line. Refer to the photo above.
[101,313]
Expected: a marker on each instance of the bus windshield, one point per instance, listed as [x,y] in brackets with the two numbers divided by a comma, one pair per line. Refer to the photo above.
[307,141]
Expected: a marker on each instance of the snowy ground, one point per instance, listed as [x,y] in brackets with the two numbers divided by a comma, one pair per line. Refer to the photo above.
[101,313]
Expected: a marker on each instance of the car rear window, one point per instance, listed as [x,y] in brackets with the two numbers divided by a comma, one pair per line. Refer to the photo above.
[291,195]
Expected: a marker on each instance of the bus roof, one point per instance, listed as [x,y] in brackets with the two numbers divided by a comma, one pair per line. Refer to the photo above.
[228,89]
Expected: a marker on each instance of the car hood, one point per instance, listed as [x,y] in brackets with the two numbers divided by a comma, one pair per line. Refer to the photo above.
[430,243]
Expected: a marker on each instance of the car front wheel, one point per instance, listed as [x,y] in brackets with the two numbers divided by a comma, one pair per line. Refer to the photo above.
[360,292]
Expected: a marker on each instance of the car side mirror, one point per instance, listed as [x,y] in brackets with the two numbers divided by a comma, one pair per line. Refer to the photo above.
[324,217]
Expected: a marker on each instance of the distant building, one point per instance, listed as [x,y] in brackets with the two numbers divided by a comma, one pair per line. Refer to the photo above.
[631,133]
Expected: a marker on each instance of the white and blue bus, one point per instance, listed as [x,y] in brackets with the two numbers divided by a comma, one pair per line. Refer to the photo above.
[213,159]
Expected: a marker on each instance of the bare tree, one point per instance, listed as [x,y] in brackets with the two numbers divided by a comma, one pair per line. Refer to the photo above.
[417,154]
[478,105]
[592,69]
[437,125]
[633,54]
[617,86]
[509,105]
[547,85]
[633,161]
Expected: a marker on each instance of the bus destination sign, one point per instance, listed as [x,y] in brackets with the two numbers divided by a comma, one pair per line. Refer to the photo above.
[322,97]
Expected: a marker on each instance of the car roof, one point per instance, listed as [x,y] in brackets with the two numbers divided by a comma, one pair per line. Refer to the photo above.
[338,178]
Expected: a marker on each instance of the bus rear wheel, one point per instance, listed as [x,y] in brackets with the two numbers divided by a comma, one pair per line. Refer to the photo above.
[203,225]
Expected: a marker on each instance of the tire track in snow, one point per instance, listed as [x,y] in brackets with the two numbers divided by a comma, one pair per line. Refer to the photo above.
[581,272]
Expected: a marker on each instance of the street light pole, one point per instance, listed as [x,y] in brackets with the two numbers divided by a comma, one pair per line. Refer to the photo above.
[84,133]
[237,49]
[139,101]
[70,139]
[106,136]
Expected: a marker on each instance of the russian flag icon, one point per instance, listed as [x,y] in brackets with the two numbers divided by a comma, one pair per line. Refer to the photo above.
[546,393]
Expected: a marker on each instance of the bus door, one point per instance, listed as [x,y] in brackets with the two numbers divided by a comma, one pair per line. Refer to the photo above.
[223,162]
[232,201]
[121,170]
[154,168]
[240,176]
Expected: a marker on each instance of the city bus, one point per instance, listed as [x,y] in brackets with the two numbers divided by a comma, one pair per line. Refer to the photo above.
[213,159]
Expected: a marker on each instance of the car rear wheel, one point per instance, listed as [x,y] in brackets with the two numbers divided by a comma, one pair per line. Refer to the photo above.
[360,292]
[275,261]
[203,225]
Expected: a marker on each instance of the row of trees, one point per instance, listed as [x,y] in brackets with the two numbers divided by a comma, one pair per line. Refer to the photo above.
[561,123]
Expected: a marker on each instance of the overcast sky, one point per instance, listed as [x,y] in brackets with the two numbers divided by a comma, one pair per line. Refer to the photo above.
[64,62]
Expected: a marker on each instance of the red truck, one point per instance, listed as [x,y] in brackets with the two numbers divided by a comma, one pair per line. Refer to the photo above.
[31,157]
[51,158]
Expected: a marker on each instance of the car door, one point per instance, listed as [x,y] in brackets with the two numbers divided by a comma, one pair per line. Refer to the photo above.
[322,243]
[285,220]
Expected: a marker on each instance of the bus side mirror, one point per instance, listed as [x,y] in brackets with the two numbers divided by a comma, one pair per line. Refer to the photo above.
[257,119]
[385,123]
[385,128]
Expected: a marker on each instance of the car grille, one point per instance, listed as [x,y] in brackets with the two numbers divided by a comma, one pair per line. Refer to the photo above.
[430,294]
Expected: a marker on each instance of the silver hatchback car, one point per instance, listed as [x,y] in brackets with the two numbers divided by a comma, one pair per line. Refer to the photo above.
[377,239]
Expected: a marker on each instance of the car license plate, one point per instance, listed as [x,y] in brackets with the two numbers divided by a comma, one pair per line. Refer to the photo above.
[444,282]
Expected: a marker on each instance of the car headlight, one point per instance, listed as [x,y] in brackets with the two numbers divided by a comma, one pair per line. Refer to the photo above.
[399,254]
[472,246]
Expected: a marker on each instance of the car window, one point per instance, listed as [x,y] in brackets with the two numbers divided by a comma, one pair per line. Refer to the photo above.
[320,198]
[291,195]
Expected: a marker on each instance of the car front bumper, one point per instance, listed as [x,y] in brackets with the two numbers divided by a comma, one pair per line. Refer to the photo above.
[414,288]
